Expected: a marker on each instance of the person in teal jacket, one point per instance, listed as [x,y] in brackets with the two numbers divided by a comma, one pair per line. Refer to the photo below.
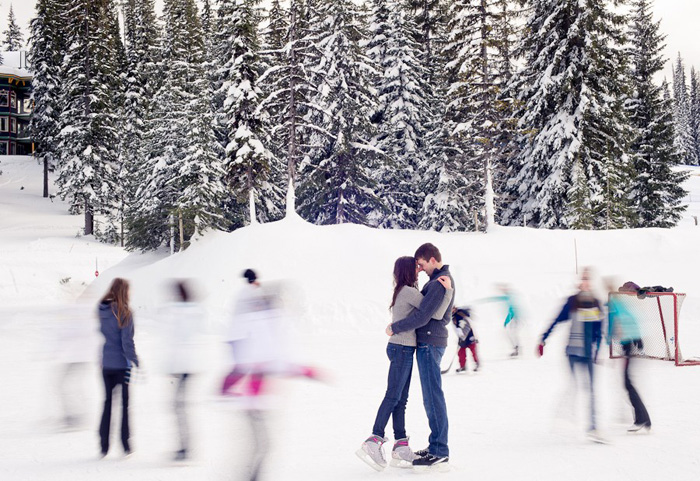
[623,327]
[512,320]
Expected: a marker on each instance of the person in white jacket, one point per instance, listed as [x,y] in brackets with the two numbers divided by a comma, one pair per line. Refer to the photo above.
[183,325]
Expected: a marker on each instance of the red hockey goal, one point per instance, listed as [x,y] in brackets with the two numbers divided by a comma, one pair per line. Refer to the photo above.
[663,334]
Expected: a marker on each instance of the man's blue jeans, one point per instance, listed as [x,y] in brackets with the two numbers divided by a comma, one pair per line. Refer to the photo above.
[586,363]
[396,397]
[428,358]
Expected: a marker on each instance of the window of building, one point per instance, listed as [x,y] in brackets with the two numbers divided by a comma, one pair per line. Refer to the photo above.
[4,98]
[13,100]
[3,148]
[13,148]
[4,124]
[13,125]
[27,106]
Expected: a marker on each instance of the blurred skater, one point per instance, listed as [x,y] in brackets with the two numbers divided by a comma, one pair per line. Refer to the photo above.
[257,345]
[184,320]
[511,324]
[118,357]
[623,327]
[400,351]
[75,344]
[584,312]
[467,338]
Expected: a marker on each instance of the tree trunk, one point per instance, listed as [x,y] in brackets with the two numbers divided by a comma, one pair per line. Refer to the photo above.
[182,232]
[172,234]
[46,177]
[89,219]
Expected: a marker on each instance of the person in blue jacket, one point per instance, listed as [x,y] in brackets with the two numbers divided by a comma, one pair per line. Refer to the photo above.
[118,357]
[623,327]
[585,313]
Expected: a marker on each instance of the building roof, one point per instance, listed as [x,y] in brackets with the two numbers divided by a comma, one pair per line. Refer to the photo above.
[15,64]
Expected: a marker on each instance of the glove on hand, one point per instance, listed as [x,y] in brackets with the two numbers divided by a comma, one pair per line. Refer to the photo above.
[540,349]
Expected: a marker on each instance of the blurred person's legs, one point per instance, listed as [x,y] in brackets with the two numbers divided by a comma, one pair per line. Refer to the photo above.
[396,395]
[512,333]
[462,356]
[472,348]
[588,365]
[180,406]
[428,358]
[261,442]
[71,393]
[641,416]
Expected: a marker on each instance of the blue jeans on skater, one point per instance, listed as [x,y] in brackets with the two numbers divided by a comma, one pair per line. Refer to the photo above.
[588,364]
[428,359]
[396,397]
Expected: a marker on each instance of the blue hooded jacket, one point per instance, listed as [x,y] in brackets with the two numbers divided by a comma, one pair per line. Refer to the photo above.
[119,351]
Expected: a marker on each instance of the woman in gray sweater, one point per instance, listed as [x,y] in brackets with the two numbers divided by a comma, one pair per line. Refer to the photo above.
[400,350]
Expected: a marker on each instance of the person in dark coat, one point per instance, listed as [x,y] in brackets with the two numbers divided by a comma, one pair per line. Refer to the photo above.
[467,338]
[118,357]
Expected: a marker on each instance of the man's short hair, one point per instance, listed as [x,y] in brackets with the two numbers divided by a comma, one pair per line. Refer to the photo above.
[426,251]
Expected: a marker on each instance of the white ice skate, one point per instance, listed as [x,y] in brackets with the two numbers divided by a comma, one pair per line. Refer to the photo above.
[371,452]
[401,455]
[595,436]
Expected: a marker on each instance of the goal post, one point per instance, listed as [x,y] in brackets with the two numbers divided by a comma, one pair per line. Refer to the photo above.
[662,332]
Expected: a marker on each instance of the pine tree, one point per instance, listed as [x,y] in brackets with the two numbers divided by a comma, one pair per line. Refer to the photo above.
[142,39]
[336,185]
[249,164]
[694,100]
[569,99]
[657,189]
[478,65]
[183,188]
[681,114]
[401,114]
[14,40]
[89,142]
[47,44]
[290,86]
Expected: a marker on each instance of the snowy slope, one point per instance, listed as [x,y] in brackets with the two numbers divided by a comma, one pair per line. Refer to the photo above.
[502,422]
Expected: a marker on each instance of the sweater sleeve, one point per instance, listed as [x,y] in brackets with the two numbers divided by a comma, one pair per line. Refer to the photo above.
[422,315]
[564,315]
[127,333]
[414,297]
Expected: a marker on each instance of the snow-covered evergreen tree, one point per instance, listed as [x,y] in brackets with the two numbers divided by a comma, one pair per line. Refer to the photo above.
[571,170]
[401,115]
[694,100]
[183,190]
[681,114]
[89,143]
[13,38]
[478,65]
[290,86]
[657,189]
[46,47]
[249,164]
[336,185]
[143,79]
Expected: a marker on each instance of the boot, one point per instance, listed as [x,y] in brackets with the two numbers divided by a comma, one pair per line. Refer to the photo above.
[401,454]
[371,452]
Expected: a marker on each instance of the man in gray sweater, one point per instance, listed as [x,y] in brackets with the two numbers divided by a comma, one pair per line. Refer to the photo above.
[431,337]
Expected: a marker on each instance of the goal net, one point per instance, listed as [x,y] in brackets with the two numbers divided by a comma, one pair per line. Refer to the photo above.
[663,334]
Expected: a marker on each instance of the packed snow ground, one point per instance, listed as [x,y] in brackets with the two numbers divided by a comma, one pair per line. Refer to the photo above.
[503,422]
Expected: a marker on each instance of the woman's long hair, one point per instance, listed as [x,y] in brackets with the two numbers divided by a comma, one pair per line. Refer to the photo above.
[118,297]
[404,275]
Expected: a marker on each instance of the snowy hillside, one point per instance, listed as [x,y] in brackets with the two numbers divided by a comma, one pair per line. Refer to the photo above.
[502,423]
